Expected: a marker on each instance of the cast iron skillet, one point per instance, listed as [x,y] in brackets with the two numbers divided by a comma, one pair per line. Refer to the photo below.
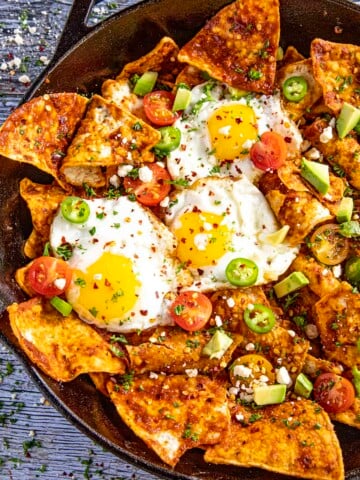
[85,56]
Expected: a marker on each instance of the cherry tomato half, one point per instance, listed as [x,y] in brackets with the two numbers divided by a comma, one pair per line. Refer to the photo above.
[333,392]
[270,152]
[328,245]
[191,310]
[150,193]
[158,108]
[48,276]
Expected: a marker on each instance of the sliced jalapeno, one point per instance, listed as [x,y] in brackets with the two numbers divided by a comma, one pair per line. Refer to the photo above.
[295,88]
[75,209]
[242,272]
[170,139]
[259,318]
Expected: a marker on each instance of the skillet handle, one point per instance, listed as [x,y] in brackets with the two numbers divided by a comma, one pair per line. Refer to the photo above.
[75,28]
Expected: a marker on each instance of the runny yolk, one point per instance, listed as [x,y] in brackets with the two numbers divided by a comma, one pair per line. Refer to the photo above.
[202,239]
[230,126]
[108,289]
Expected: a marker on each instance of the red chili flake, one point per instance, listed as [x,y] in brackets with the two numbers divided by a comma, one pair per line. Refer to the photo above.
[107,283]
[95,286]
[238,120]
[144,312]
[183,147]
[287,139]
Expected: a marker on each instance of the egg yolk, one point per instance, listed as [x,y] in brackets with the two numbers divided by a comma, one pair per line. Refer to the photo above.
[229,127]
[108,289]
[202,239]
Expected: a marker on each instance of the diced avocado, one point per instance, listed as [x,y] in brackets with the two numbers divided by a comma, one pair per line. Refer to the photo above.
[345,210]
[292,282]
[275,238]
[217,345]
[347,120]
[303,386]
[356,379]
[269,394]
[182,99]
[145,83]
[237,93]
[317,174]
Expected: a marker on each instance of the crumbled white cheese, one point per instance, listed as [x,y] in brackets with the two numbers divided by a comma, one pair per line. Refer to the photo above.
[123,170]
[239,417]
[201,241]
[233,391]
[153,375]
[165,202]
[97,276]
[230,302]
[326,135]
[337,270]
[43,59]
[191,372]
[242,371]
[145,174]
[313,154]
[18,39]
[282,376]
[60,283]
[114,181]
[218,321]
[250,347]
[291,333]
[32,30]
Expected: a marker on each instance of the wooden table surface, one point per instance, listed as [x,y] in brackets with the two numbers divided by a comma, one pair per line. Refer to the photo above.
[35,440]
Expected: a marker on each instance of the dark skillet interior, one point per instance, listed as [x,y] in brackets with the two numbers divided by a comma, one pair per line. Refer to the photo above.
[99,55]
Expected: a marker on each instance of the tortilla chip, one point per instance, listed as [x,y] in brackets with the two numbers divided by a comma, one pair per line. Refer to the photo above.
[119,93]
[173,350]
[100,381]
[313,366]
[172,414]
[278,345]
[34,245]
[109,135]
[341,307]
[39,131]
[303,69]
[322,279]
[292,205]
[336,68]
[72,347]
[343,155]
[293,438]
[162,59]
[43,202]
[238,45]
[351,416]
[291,55]
[191,76]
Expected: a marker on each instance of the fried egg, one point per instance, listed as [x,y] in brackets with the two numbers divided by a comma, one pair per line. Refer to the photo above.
[218,131]
[123,262]
[220,219]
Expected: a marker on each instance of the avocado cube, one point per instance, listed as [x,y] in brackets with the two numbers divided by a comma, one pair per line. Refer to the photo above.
[347,120]
[217,345]
[269,394]
[292,282]
[345,210]
[317,174]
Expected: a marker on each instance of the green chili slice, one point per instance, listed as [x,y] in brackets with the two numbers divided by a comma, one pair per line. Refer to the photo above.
[242,272]
[170,139]
[295,88]
[75,209]
[259,318]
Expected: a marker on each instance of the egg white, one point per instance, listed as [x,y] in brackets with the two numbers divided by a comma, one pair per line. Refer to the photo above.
[125,230]
[195,158]
[244,212]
